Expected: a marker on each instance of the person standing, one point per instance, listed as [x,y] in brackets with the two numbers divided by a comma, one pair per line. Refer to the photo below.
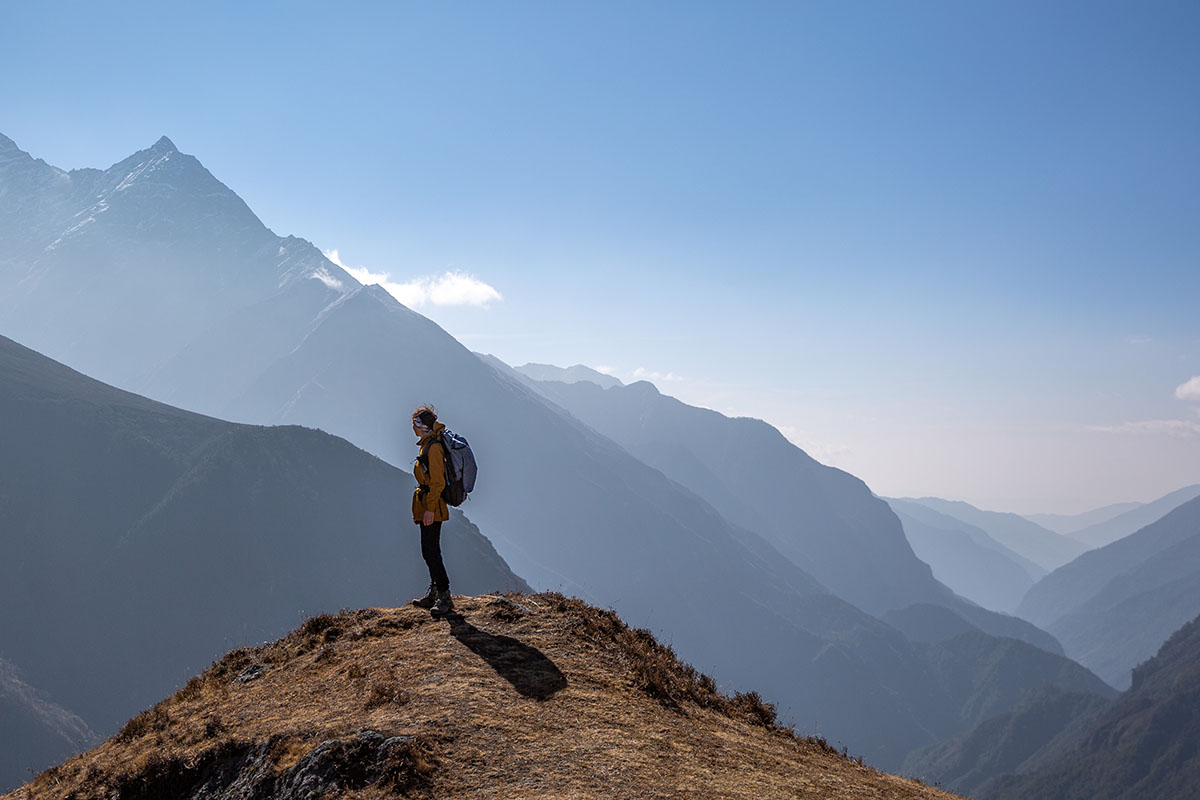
[429,508]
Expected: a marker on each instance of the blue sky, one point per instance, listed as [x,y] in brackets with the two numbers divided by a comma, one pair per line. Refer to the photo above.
[950,247]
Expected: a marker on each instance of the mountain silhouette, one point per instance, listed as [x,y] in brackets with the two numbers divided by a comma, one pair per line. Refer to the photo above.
[1142,745]
[279,337]
[1044,547]
[1047,723]
[140,540]
[822,518]
[1113,607]
[549,372]
[1134,519]
[966,559]
[93,260]
[1069,524]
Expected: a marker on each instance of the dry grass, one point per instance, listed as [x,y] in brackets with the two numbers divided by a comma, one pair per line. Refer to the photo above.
[523,697]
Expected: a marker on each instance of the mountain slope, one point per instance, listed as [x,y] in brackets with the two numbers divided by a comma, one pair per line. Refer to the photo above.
[525,697]
[1068,524]
[144,538]
[99,258]
[1144,745]
[1130,596]
[36,731]
[1044,547]
[823,519]
[1045,724]
[1114,606]
[1120,526]
[965,558]
[566,506]
[817,516]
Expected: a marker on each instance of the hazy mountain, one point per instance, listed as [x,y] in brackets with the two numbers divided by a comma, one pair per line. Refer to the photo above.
[819,517]
[140,541]
[1114,606]
[566,506]
[524,697]
[575,374]
[1143,745]
[1045,724]
[1042,546]
[965,558]
[1119,527]
[1068,524]
[92,261]
[34,730]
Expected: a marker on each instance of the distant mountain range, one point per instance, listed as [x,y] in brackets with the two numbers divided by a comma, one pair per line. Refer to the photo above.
[1118,527]
[1114,606]
[1143,745]
[823,519]
[1045,548]
[965,558]
[154,274]
[1056,745]
[575,374]
[141,541]
[1068,524]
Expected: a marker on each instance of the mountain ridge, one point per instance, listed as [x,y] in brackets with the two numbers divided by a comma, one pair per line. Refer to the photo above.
[190,531]
[516,696]
[1043,546]
[621,532]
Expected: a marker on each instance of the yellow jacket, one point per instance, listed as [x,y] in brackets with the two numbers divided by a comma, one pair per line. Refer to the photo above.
[430,482]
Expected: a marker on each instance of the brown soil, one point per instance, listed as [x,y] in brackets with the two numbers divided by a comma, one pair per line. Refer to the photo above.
[515,697]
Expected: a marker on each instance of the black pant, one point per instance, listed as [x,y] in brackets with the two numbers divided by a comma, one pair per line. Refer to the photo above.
[431,551]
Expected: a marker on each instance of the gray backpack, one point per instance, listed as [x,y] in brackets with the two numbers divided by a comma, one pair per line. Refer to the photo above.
[460,468]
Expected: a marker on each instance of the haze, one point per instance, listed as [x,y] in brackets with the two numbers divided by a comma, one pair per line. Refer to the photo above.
[948,247]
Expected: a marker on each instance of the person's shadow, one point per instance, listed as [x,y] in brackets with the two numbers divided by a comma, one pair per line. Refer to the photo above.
[530,672]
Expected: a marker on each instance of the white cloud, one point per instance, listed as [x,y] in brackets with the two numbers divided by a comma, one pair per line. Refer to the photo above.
[324,277]
[1189,390]
[643,374]
[451,288]
[1178,428]
[604,369]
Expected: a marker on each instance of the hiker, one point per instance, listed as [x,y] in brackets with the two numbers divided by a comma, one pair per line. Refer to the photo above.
[429,508]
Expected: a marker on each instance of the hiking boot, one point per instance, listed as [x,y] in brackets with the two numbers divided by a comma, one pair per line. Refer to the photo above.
[444,604]
[428,600]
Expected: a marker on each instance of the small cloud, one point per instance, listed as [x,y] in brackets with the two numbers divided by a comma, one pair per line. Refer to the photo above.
[458,289]
[1177,428]
[604,369]
[643,374]
[1189,390]
[1141,339]
[451,288]
[324,277]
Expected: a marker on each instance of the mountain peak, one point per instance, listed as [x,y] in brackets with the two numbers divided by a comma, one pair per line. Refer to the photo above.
[10,153]
[164,145]
[511,695]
